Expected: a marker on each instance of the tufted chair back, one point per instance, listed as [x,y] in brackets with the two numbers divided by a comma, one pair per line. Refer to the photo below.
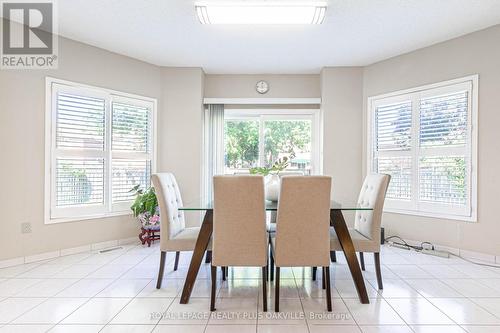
[302,236]
[169,200]
[367,222]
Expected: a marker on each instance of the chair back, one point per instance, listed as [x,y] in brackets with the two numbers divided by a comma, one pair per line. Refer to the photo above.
[303,222]
[239,232]
[368,222]
[169,199]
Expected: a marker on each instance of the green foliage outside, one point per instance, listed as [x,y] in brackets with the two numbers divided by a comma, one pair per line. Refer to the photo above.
[280,137]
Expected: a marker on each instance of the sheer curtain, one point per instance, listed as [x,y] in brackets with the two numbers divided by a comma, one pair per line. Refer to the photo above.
[214,147]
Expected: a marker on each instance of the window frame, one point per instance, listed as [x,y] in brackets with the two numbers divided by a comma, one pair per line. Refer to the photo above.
[108,209]
[262,115]
[414,206]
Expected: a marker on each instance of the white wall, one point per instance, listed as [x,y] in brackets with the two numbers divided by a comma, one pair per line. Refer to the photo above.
[181,130]
[342,103]
[476,53]
[280,86]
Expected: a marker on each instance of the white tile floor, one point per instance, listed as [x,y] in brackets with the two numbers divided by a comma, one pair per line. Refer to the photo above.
[115,292]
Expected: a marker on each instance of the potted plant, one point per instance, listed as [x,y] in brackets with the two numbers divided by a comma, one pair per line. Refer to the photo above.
[145,207]
[272,185]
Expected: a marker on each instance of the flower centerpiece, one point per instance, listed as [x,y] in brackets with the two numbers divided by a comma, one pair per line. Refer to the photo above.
[145,207]
[272,185]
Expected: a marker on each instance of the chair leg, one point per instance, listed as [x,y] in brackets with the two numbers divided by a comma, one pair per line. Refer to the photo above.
[362,260]
[176,262]
[328,291]
[376,257]
[314,269]
[214,284]
[277,291]
[323,278]
[163,255]
[208,257]
[223,270]
[333,256]
[271,267]
[264,288]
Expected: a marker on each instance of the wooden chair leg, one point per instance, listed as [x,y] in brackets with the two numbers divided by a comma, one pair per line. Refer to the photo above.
[214,284]
[176,263]
[362,260]
[328,291]
[163,255]
[314,270]
[264,288]
[208,257]
[376,257]
[323,278]
[277,291]
[333,256]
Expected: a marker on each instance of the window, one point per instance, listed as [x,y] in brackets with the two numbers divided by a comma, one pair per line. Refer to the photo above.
[425,138]
[100,144]
[255,138]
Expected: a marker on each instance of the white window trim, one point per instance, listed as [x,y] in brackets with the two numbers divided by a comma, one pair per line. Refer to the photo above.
[471,147]
[315,115]
[51,83]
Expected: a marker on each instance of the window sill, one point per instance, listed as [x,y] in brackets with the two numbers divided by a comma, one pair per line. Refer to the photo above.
[460,218]
[88,217]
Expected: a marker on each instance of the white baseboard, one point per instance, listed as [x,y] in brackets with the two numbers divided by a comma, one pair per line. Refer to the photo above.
[104,245]
[75,250]
[42,256]
[65,252]
[471,255]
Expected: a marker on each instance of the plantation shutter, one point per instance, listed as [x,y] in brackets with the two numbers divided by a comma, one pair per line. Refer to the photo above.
[443,161]
[78,167]
[132,151]
[392,149]
[423,139]
[99,145]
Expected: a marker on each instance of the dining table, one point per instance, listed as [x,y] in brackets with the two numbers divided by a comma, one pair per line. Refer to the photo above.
[337,221]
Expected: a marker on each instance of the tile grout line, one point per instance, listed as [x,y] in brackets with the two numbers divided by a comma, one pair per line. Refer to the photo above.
[51,297]
[46,298]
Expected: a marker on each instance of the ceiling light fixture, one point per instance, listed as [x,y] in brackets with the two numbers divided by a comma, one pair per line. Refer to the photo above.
[268,12]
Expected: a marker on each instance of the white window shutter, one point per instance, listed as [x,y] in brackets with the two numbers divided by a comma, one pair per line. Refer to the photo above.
[424,139]
[393,126]
[80,122]
[99,145]
[131,149]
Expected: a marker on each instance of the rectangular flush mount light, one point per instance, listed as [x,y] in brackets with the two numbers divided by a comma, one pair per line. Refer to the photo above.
[264,12]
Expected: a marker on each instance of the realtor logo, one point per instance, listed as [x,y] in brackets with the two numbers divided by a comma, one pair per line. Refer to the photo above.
[29,37]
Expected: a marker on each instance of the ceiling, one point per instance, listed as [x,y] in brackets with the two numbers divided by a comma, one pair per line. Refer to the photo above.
[354,33]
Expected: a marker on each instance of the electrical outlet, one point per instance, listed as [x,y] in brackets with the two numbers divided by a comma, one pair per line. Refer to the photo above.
[26,228]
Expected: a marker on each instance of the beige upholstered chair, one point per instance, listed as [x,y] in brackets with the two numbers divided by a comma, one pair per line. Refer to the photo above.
[239,236]
[366,233]
[174,236]
[302,224]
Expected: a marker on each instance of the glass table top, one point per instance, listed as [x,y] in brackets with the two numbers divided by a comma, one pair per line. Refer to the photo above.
[271,206]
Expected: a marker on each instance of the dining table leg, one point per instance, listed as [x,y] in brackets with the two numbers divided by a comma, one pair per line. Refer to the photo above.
[338,222]
[199,250]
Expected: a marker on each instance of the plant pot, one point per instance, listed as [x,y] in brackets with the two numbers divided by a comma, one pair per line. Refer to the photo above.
[148,221]
[272,187]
